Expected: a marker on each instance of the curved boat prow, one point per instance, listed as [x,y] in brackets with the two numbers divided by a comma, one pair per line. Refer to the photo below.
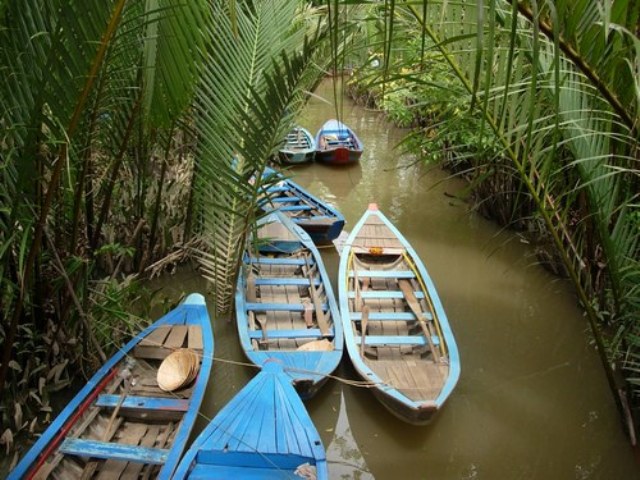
[194,299]
[373,207]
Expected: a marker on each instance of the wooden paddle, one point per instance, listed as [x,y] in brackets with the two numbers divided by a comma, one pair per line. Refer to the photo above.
[414,305]
[323,325]
[92,465]
[356,307]
[363,327]
[253,298]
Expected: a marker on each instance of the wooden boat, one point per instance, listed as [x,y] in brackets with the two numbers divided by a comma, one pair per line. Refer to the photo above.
[299,147]
[320,220]
[121,424]
[396,331]
[337,144]
[285,307]
[264,432]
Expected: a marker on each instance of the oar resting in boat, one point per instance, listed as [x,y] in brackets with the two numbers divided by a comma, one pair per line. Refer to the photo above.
[396,331]
[122,424]
[285,306]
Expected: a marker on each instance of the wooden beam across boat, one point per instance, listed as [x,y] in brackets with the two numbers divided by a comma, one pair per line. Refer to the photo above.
[121,424]
[396,331]
[285,306]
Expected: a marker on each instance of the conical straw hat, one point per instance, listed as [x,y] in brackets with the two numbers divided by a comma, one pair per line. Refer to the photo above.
[177,370]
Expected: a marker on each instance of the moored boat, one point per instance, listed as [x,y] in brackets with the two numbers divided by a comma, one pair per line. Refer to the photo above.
[320,220]
[337,144]
[299,147]
[396,331]
[285,306]
[264,432]
[122,424]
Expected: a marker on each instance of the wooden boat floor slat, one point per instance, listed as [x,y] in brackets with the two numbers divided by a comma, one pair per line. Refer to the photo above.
[416,379]
[117,451]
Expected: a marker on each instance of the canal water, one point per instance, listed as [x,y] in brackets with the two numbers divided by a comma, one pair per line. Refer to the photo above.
[532,401]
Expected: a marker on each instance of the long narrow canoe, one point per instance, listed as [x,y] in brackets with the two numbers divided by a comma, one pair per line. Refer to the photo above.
[285,306]
[396,331]
[121,424]
[320,220]
[264,433]
[299,147]
[337,144]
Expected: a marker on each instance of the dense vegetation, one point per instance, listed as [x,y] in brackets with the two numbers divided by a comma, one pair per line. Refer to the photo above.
[537,104]
[129,133]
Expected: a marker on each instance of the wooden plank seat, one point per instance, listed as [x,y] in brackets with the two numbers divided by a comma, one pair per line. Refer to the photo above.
[285,199]
[315,218]
[384,294]
[278,261]
[383,274]
[143,403]
[278,189]
[287,281]
[283,307]
[381,340]
[250,459]
[296,208]
[114,451]
[297,333]
[389,316]
[167,339]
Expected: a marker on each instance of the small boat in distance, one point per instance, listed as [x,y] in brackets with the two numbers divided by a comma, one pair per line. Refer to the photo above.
[320,220]
[122,424]
[337,144]
[396,331]
[299,147]
[264,432]
[285,306]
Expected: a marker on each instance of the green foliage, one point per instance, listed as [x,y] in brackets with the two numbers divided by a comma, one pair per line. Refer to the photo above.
[431,101]
[554,85]
[254,82]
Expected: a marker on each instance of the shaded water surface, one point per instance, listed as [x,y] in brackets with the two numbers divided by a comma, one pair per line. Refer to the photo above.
[532,401]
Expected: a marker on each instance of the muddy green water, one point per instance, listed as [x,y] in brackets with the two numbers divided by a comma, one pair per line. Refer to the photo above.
[532,401]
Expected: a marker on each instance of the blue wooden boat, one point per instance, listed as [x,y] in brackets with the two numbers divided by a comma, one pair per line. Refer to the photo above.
[337,144]
[121,424]
[396,331]
[264,432]
[285,307]
[299,147]
[320,220]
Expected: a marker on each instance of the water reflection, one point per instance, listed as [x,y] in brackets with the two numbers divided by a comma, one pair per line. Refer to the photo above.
[343,454]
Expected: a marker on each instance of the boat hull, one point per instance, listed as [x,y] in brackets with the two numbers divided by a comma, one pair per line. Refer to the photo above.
[396,332]
[337,144]
[299,147]
[282,443]
[338,156]
[122,402]
[296,158]
[415,415]
[322,222]
[285,306]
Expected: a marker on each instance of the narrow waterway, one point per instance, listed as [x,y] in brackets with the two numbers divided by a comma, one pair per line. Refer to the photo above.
[532,401]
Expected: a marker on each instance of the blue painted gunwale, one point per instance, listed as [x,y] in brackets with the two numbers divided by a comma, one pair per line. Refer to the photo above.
[323,363]
[297,156]
[193,303]
[352,344]
[263,432]
[332,154]
[319,234]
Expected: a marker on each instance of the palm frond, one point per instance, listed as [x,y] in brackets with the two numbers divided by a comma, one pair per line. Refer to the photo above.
[249,87]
